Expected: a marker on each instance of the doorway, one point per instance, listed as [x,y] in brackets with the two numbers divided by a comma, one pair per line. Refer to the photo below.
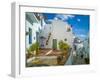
[54,44]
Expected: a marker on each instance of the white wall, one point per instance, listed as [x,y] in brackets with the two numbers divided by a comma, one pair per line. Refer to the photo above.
[35,28]
[28,25]
[48,29]
[60,32]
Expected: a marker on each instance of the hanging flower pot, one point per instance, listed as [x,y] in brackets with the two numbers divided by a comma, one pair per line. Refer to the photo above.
[27,33]
[68,29]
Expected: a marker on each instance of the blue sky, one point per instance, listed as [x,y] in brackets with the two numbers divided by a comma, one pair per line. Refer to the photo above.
[79,23]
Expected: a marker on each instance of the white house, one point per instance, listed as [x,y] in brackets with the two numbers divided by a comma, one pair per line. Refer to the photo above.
[54,32]
[33,27]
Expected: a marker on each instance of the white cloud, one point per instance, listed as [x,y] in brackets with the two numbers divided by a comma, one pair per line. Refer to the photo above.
[82,35]
[50,20]
[64,17]
[55,18]
[79,30]
[78,20]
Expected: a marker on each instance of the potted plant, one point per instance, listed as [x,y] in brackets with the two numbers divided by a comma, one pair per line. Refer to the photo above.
[29,53]
[36,45]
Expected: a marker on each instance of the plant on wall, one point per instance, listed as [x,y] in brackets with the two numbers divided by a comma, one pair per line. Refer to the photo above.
[27,33]
[64,47]
[68,29]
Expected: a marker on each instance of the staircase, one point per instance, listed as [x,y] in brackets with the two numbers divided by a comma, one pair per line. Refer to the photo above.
[48,38]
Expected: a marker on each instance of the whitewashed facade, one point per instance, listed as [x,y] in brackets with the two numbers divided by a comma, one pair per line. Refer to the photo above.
[59,31]
[34,25]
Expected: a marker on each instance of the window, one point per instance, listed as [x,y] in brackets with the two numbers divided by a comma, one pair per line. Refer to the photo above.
[50,27]
[30,36]
[65,39]
[34,38]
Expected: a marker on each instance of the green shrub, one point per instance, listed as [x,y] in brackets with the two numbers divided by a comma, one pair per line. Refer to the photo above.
[34,47]
[29,53]
[64,47]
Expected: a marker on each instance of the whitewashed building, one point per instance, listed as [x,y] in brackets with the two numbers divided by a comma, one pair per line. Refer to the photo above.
[54,32]
[33,28]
